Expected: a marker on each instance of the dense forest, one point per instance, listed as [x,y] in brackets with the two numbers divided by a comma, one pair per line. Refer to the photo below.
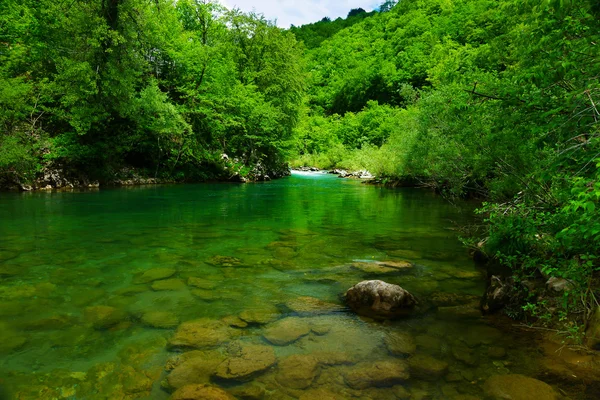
[90,90]
[477,98]
[494,99]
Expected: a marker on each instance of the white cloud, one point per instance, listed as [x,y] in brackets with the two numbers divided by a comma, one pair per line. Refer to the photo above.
[288,12]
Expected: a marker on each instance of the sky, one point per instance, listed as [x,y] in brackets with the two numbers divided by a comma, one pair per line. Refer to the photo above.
[288,12]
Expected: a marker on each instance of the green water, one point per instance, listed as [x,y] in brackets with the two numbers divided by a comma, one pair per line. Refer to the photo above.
[79,320]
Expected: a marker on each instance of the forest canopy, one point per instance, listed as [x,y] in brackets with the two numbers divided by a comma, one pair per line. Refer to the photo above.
[91,88]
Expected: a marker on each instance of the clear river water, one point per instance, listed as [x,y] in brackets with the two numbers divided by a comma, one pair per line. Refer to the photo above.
[133,293]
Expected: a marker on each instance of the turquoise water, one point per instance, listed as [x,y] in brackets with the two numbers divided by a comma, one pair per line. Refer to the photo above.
[95,284]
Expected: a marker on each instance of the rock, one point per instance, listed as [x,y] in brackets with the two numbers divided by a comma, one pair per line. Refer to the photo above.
[378,374]
[11,339]
[464,354]
[201,392]
[234,321]
[559,284]
[426,367]
[382,267]
[198,334]
[160,319]
[201,283]
[131,290]
[381,300]
[297,371]
[154,274]
[260,316]
[400,344]
[195,368]
[430,343]
[245,361]
[496,352]
[103,317]
[444,299]
[330,358]
[467,311]
[224,261]
[168,284]
[401,393]
[321,394]
[497,295]
[286,331]
[249,391]
[517,387]
[312,305]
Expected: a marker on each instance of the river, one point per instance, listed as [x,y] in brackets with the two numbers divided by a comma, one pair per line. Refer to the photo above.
[131,293]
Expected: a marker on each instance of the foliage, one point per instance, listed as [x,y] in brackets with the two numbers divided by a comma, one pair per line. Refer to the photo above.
[160,86]
[493,99]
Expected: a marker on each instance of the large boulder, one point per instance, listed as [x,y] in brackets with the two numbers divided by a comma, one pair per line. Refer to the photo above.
[381,300]
[518,387]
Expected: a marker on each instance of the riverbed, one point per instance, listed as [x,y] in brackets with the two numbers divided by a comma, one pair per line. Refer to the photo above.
[133,293]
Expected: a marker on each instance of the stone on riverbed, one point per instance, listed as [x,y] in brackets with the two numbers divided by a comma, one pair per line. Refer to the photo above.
[312,305]
[400,344]
[287,331]
[168,284]
[426,367]
[518,387]
[245,361]
[198,334]
[197,367]
[160,319]
[378,374]
[381,300]
[103,317]
[261,316]
[201,392]
[382,267]
[154,274]
[297,371]
[224,261]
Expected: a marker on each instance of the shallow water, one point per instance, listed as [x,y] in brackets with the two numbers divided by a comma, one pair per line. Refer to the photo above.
[94,285]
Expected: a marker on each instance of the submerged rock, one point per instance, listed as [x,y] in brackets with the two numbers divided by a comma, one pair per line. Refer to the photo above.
[154,274]
[297,371]
[196,367]
[382,267]
[103,317]
[400,344]
[518,387]
[261,316]
[11,339]
[224,261]
[378,299]
[168,284]
[201,283]
[287,331]
[378,374]
[312,305]
[201,392]
[245,361]
[198,334]
[160,319]
[426,367]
